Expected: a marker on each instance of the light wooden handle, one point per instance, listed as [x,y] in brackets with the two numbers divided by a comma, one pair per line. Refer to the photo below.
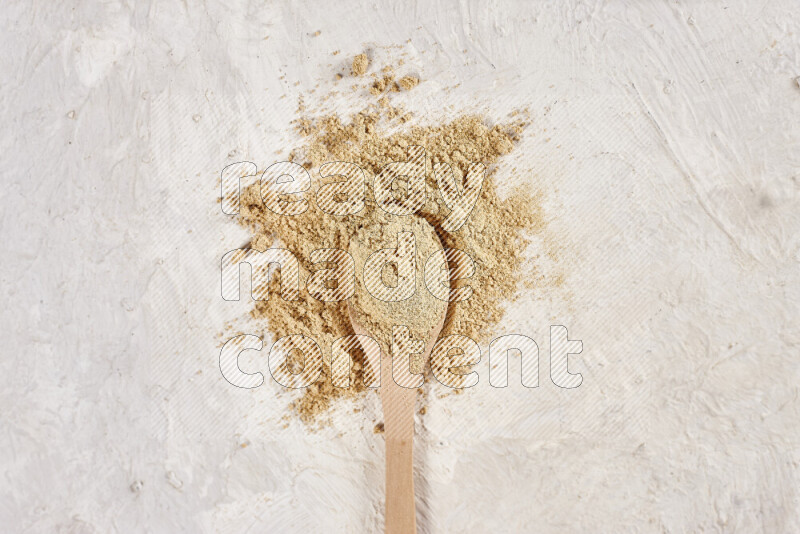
[398,422]
[398,430]
[401,516]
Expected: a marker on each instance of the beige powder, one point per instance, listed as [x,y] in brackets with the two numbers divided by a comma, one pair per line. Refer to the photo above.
[360,64]
[420,312]
[407,83]
[494,235]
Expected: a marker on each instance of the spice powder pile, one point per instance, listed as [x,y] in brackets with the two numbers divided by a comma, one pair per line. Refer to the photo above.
[494,235]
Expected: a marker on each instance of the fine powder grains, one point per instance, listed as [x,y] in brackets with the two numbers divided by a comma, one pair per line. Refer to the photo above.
[494,235]
[419,311]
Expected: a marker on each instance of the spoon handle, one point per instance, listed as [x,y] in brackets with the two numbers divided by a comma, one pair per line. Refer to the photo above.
[399,432]
[398,423]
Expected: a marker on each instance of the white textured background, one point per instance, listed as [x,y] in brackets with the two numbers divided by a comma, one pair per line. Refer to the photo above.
[665,145]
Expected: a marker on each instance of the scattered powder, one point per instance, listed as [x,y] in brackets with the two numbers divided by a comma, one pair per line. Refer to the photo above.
[406,83]
[360,64]
[495,235]
[383,83]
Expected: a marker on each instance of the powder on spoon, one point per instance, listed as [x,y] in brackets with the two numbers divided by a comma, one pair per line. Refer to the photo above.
[421,311]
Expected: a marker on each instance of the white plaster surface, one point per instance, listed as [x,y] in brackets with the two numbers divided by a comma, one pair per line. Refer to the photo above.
[665,145]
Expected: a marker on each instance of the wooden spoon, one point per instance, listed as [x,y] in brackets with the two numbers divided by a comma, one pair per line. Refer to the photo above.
[398,404]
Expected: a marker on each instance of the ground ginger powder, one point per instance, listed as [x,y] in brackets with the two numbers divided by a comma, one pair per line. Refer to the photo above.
[495,234]
[421,312]
[360,64]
